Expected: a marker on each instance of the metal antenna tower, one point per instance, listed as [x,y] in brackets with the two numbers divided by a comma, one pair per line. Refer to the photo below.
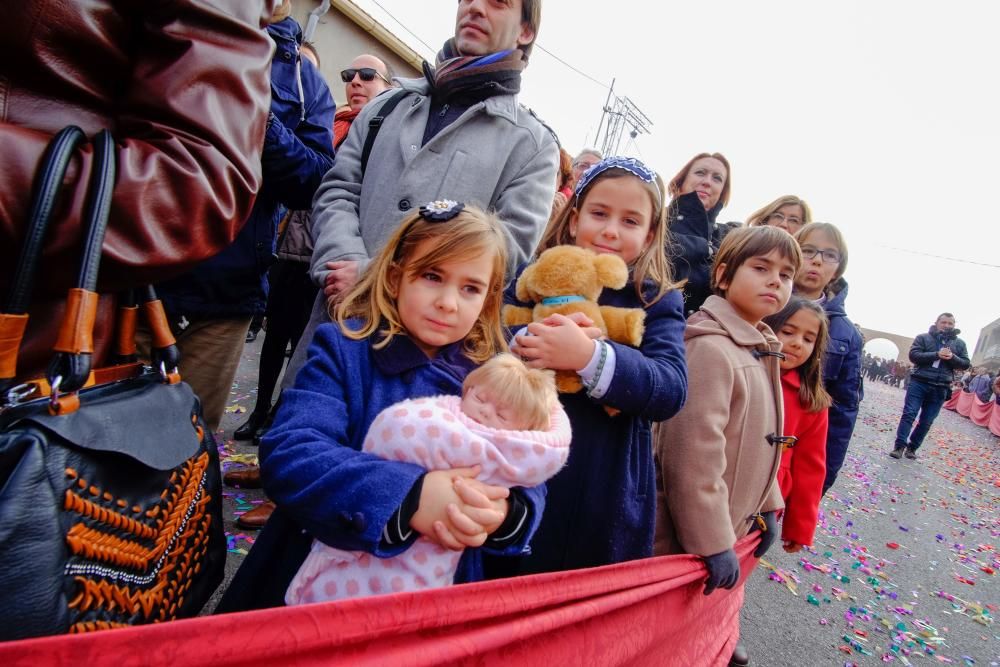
[620,114]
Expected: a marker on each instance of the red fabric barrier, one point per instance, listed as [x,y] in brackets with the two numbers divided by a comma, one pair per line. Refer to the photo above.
[648,612]
[952,403]
[982,414]
[965,403]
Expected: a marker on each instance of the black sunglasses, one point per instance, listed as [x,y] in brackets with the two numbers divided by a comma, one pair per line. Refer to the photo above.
[367,74]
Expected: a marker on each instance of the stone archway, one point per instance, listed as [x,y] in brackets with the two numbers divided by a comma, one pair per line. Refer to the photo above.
[902,343]
[883,348]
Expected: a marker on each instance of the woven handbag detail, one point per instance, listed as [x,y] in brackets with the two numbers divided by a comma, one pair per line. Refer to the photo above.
[127,570]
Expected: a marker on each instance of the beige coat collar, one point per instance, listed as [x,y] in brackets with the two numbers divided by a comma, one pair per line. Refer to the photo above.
[724,316]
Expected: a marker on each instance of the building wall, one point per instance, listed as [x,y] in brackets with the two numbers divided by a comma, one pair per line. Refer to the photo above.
[340,40]
[988,348]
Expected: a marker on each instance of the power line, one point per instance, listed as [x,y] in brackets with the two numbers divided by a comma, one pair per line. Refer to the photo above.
[583,74]
[950,259]
[403,26]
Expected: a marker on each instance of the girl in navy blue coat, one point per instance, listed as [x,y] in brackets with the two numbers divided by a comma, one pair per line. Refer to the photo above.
[821,280]
[425,313]
[602,505]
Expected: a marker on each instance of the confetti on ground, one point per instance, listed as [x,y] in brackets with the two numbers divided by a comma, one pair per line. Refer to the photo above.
[903,567]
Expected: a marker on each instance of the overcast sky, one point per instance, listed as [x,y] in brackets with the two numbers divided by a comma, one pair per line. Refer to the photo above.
[882,115]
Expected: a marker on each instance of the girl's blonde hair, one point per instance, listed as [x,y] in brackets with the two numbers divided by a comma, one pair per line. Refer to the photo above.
[812,394]
[744,243]
[470,234]
[651,264]
[759,217]
[529,392]
[838,240]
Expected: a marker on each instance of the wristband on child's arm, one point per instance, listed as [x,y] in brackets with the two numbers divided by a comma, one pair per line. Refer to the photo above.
[599,372]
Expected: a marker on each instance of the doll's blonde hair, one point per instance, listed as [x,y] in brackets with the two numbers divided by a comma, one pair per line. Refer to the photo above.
[530,393]
[470,234]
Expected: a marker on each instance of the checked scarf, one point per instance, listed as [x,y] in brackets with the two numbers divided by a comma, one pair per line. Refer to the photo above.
[475,77]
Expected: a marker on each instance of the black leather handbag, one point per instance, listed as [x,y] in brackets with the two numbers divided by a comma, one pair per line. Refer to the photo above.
[110,490]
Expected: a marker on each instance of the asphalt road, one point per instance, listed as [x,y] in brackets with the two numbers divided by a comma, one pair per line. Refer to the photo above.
[905,568]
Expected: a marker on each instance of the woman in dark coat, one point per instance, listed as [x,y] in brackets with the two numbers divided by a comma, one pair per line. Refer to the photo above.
[699,190]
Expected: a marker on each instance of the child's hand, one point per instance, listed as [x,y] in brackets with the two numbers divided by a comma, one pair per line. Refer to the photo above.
[581,320]
[484,504]
[791,547]
[445,517]
[562,345]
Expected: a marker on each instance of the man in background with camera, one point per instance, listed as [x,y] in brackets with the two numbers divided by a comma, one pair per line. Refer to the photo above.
[936,355]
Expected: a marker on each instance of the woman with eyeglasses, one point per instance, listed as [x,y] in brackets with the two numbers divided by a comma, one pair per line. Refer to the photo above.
[699,191]
[821,280]
[788,213]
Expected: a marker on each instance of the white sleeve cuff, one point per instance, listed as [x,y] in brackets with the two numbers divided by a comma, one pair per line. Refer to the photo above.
[589,372]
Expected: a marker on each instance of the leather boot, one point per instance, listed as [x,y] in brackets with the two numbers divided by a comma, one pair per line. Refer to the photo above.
[250,428]
[910,453]
[897,453]
[257,517]
[245,478]
[741,657]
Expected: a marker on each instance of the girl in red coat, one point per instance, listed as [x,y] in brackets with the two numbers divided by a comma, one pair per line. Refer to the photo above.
[801,326]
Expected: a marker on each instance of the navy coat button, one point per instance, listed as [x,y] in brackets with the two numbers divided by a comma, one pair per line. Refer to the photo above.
[358,522]
[287,55]
[404,205]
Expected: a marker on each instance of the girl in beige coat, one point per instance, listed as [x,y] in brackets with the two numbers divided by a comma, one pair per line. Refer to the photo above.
[719,456]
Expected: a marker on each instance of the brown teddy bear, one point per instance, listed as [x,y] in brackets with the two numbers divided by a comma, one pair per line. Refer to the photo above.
[568,279]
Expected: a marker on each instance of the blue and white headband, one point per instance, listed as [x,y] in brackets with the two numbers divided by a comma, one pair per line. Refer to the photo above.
[629,164]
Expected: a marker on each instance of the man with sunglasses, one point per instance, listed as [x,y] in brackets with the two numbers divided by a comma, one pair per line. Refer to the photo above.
[366,78]
[363,80]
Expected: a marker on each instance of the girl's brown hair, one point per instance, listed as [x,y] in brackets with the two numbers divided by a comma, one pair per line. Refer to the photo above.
[470,234]
[744,243]
[677,182]
[651,264]
[812,394]
[761,215]
[565,175]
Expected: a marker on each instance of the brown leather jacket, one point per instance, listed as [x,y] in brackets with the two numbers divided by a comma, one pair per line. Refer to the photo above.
[183,84]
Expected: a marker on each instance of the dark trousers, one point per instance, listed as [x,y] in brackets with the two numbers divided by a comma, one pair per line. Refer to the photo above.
[289,305]
[924,400]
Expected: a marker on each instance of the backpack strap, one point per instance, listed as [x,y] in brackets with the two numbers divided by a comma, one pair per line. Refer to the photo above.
[375,124]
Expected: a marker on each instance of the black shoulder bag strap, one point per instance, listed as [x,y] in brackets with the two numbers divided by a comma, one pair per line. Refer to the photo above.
[375,124]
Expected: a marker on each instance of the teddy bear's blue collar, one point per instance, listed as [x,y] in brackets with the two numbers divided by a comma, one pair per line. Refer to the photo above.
[562,300]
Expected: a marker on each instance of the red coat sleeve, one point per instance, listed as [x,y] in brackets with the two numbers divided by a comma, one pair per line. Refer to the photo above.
[808,470]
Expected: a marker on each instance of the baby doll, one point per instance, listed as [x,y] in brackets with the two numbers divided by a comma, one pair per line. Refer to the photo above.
[508,421]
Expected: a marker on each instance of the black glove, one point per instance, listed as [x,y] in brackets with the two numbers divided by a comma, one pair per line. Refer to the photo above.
[723,570]
[768,535]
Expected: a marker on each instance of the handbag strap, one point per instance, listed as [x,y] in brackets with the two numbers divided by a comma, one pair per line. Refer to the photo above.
[70,368]
[165,353]
[45,192]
